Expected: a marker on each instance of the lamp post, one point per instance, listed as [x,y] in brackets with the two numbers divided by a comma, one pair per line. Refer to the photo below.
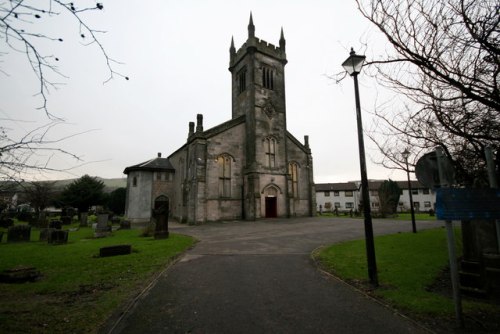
[353,66]
[406,154]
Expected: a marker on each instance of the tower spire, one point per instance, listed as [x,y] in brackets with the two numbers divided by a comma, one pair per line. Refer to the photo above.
[282,40]
[251,27]
[232,49]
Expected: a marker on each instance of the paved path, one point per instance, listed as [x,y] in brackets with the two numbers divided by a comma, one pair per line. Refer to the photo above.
[257,277]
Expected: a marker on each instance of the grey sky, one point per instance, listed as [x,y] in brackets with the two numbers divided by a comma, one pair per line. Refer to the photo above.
[176,54]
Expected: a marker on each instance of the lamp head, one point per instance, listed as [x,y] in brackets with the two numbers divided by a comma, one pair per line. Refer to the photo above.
[354,63]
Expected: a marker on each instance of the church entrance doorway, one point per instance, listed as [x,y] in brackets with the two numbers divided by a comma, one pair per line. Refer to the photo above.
[271,207]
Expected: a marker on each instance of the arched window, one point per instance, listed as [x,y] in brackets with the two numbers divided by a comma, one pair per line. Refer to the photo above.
[293,170]
[270,148]
[224,165]
[134,181]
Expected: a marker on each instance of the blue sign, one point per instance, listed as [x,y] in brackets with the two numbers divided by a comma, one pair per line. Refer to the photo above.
[465,204]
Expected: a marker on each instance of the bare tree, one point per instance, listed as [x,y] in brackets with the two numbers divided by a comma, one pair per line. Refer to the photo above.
[444,58]
[21,32]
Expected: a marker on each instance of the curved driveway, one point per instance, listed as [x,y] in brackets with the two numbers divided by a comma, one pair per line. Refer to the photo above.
[257,277]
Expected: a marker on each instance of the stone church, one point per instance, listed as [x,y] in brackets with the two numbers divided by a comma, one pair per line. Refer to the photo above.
[249,167]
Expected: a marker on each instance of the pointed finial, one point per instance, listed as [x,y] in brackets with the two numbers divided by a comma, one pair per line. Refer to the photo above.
[251,27]
[232,49]
[282,40]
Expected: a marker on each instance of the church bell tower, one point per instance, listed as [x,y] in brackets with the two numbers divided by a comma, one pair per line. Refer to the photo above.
[258,94]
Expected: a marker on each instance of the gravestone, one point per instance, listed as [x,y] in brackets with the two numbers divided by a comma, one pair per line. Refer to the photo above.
[45,232]
[19,233]
[125,225]
[55,224]
[20,274]
[160,214]
[58,237]
[1,236]
[84,216]
[102,229]
[115,250]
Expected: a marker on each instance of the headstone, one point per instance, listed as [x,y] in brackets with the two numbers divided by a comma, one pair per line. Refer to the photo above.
[84,216]
[19,274]
[19,233]
[58,237]
[102,229]
[55,224]
[125,225]
[1,236]
[160,214]
[45,232]
[115,250]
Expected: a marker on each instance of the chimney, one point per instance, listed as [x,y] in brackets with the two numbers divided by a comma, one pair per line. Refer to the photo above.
[306,141]
[159,154]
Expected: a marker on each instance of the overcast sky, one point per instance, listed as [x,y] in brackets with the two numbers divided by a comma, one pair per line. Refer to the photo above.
[176,54]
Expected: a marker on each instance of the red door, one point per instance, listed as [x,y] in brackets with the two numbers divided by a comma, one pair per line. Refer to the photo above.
[271,207]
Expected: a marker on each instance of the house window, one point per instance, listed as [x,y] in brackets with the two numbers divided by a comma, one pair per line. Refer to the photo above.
[336,193]
[414,191]
[293,169]
[349,205]
[328,205]
[268,78]
[271,152]
[327,194]
[242,80]
[224,163]
[348,193]
[375,205]
[337,205]
[427,204]
[134,181]
[425,191]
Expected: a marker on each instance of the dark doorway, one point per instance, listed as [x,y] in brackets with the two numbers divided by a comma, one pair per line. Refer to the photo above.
[271,207]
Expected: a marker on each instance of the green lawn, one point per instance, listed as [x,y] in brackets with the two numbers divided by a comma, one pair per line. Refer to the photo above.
[407,265]
[399,216]
[79,290]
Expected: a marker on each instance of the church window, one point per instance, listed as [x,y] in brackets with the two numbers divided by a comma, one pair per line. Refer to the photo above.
[134,181]
[224,163]
[268,78]
[242,80]
[293,170]
[271,152]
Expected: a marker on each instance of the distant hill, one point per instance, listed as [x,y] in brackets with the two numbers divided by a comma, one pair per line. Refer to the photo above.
[109,184]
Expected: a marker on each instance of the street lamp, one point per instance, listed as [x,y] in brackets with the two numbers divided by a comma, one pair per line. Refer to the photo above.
[406,154]
[353,66]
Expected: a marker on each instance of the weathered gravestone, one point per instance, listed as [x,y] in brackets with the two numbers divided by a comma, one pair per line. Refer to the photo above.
[125,225]
[160,214]
[55,224]
[115,250]
[58,237]
[45,232]
[19,233]
[84,216]
[19,274]
[102,229]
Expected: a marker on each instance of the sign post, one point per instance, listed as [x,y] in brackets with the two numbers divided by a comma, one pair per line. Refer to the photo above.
[457,298]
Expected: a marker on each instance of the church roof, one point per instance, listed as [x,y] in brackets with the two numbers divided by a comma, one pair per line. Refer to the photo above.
[153,165]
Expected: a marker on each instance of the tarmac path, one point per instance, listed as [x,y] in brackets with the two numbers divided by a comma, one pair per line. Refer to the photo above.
[258,277]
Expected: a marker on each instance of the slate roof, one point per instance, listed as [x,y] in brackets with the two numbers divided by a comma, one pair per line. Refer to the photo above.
[349,186]
[153,165]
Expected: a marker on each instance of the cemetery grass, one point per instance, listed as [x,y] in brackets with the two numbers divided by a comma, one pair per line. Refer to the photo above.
[413,276]
[79,290]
